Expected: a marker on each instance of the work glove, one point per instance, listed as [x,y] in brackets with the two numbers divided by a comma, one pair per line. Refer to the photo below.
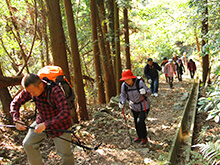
[121,105]
[142,91]
[149,81]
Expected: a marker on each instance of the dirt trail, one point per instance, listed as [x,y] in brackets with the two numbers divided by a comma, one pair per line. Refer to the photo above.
[107,126]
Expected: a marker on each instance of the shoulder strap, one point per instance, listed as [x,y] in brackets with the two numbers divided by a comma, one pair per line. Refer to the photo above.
[49,86]
[137,83]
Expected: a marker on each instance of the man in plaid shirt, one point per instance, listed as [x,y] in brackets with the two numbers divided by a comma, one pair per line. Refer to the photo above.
[58,118]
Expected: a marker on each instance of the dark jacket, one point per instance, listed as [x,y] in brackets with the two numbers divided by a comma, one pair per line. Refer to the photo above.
[151,71]
[180,67]
[191,65]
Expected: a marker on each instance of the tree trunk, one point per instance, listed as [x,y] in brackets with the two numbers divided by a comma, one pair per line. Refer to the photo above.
[112,31]
[117,48]
[5,98]
[10,81]
[57,36]
[99,81]
[44,31]
[76,61]
[127,43]
[107,44]
[109,88]
[204,32]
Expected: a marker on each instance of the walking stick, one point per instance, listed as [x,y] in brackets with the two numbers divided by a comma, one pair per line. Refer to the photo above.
[126,124]
[48,131]
[144,104]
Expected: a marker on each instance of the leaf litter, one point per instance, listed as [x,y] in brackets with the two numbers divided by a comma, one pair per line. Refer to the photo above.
[107,126]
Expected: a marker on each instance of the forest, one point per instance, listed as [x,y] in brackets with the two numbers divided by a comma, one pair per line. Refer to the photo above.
[94,42]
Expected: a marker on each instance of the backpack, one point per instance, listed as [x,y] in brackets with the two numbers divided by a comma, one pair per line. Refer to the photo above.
[54,75]
[137,86]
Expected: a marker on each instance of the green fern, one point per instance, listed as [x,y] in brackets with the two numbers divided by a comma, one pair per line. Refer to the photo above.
[210,151]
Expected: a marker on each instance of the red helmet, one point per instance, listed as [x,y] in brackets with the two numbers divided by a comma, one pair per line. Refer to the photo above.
[127,74]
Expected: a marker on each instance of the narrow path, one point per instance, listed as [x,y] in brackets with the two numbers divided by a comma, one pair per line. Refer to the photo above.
[107,125]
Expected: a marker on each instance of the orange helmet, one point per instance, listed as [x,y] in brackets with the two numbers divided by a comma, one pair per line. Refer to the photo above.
[127,74]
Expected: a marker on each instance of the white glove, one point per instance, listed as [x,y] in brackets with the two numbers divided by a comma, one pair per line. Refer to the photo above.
[142,91]
[121,105]
[149,81]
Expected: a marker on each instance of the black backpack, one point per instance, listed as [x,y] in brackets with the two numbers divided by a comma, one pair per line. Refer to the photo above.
[66,88]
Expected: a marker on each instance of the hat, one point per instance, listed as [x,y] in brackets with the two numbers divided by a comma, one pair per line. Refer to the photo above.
[179,60]
[164,58]
[149,59]
[170,60]
[127,74]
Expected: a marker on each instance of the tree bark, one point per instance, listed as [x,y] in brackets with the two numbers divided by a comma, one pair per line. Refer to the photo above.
[57,36]
[109,88]
[96,53]
[112,31]
[5,98]
[76,61]
[127,43]
[9,81]
[107,44]
[204,32]
[117,48]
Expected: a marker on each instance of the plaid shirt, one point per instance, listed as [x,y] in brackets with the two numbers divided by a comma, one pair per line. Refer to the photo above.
[54,118]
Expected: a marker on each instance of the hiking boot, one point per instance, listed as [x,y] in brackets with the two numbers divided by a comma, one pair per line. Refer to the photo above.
[137,139]
[144,141]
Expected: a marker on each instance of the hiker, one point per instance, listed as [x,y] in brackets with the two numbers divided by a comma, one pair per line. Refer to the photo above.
[151,73]
[165,61]
[135,90]
[180,69]
[48,117]
[170,70]
[192,68]
[175,57]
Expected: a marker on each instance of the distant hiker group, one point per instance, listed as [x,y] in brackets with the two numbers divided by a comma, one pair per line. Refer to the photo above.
[137,93]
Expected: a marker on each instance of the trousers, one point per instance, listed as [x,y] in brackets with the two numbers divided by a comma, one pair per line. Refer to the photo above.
[32,141]
[154,84]
[139,121]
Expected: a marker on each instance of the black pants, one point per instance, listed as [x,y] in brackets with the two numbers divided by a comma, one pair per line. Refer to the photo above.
[179,74]
[192,73]
[139,121]
[170,81]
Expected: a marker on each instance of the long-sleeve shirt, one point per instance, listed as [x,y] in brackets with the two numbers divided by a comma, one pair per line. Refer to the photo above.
[135,98]
[151,72]
[191,66]
[53,118]
[170,69]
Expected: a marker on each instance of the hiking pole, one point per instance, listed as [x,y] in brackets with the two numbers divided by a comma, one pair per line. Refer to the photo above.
[78,143]
[144,104]
[126,124]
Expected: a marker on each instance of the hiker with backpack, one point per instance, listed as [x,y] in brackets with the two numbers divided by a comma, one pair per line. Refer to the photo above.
[191,65]
[49,117]
[151,73]
[136,92]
